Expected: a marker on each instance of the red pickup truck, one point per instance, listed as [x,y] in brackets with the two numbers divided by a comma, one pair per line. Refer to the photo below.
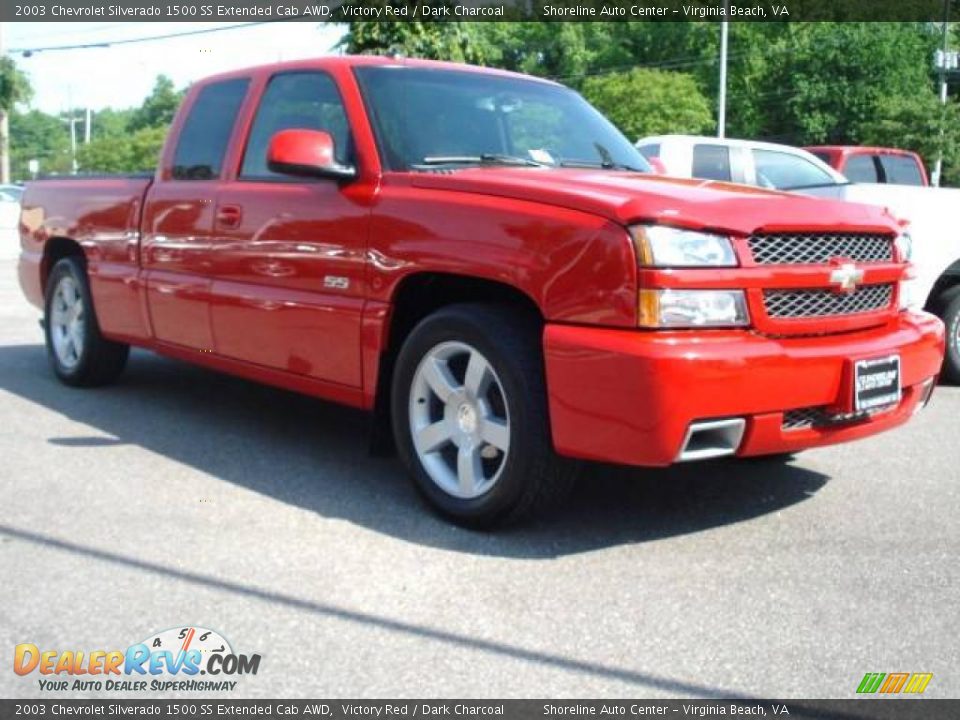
[873,164]
[487,264]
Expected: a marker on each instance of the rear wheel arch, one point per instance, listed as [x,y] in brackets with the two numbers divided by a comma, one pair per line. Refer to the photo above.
[54,250]
[79,355]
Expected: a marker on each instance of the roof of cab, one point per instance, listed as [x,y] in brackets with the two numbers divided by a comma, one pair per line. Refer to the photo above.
[333,61]
[859,150]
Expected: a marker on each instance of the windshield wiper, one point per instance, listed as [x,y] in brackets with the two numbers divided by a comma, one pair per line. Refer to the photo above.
[814,185]
[606,161]
[599,165]
[481,159]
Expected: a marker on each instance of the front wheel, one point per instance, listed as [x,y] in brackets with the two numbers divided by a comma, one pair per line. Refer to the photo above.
[79,354]
[469,414]
[950,314]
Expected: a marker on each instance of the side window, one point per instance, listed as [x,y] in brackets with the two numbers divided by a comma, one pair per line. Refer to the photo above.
[711,162]
[206,132]
[901,170]
[650,151]
[861,168]
[784,171]
[298,100]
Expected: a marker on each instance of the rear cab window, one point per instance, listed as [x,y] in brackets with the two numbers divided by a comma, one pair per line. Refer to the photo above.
[901,170]
[711,162]
[861,168]
[206,131]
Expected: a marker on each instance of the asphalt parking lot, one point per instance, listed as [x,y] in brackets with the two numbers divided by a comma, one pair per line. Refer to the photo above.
[183,497]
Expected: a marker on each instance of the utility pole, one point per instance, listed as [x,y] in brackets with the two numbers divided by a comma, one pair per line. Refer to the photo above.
[86,127]
[722,100]
[72,121]
[938,168]
[4,128]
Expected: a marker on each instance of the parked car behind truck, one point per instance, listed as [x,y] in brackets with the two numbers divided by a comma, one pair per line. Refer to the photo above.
[873,164]
[930,212]
[481,260]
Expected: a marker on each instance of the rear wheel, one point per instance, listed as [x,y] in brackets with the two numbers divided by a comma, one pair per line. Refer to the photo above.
[470,416]
[78,353]
[950,314]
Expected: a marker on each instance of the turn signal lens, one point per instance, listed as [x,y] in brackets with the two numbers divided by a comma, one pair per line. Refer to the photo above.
[908,291]
[692,308]
[904,245]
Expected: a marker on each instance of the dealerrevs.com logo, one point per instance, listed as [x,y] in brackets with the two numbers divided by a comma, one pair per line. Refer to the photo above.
[166,661]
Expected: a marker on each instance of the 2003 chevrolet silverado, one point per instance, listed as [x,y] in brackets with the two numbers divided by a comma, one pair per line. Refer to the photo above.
[485,263]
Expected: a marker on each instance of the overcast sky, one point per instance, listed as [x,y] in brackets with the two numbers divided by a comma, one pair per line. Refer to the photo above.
[122,76]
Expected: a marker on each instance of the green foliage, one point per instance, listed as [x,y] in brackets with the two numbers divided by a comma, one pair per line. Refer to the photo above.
[14,86]
[34,135]
[558,50]
[830,79]
[127,140]
[134,152]
[650,102]
[796,83]
[432,40]
[159,107]
[922,124]
[112,123]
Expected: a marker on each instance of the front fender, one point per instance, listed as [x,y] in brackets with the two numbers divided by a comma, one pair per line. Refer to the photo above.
[577,267]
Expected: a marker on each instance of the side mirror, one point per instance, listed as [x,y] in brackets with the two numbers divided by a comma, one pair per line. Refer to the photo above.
[306,153]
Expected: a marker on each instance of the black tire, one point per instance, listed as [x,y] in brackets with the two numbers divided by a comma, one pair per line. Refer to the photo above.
[532,477]
[949,312]
[98,361]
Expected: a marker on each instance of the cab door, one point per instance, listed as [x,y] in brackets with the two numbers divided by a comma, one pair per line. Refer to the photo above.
[288,253]
[178,219]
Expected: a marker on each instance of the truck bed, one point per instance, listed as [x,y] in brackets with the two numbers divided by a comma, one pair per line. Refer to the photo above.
[83,208]
[100,213]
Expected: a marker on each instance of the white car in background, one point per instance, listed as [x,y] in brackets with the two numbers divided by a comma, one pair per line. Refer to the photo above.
[10,206]
[931,212]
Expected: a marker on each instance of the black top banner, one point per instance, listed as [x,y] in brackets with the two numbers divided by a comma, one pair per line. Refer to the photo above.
[211,708]
[483,10]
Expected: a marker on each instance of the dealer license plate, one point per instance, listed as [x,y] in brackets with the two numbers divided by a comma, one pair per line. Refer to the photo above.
[876,383]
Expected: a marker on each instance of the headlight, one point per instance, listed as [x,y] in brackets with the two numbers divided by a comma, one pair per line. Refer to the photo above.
[904,244]
[692,308]
[661,246]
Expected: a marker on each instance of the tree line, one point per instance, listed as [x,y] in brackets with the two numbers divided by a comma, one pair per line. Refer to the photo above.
[121,140]
[795,83]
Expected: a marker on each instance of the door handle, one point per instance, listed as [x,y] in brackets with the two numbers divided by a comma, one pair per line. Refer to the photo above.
[229,216]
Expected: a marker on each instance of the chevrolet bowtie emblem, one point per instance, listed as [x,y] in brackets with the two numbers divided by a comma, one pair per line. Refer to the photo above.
[846,277]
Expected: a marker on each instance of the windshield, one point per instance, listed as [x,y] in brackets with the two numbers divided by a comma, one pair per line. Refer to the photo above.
[426,116]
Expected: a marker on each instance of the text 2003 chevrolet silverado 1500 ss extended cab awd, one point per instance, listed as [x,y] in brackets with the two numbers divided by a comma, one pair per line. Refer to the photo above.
[480,257]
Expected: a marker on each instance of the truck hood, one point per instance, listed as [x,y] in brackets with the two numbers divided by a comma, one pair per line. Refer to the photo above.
[627,197]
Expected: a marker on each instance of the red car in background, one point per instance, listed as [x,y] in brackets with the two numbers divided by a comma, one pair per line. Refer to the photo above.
[874,164]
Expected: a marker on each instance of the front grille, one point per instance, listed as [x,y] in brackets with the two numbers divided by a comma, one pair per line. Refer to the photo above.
[819,248]
[813,417]
[790,304]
